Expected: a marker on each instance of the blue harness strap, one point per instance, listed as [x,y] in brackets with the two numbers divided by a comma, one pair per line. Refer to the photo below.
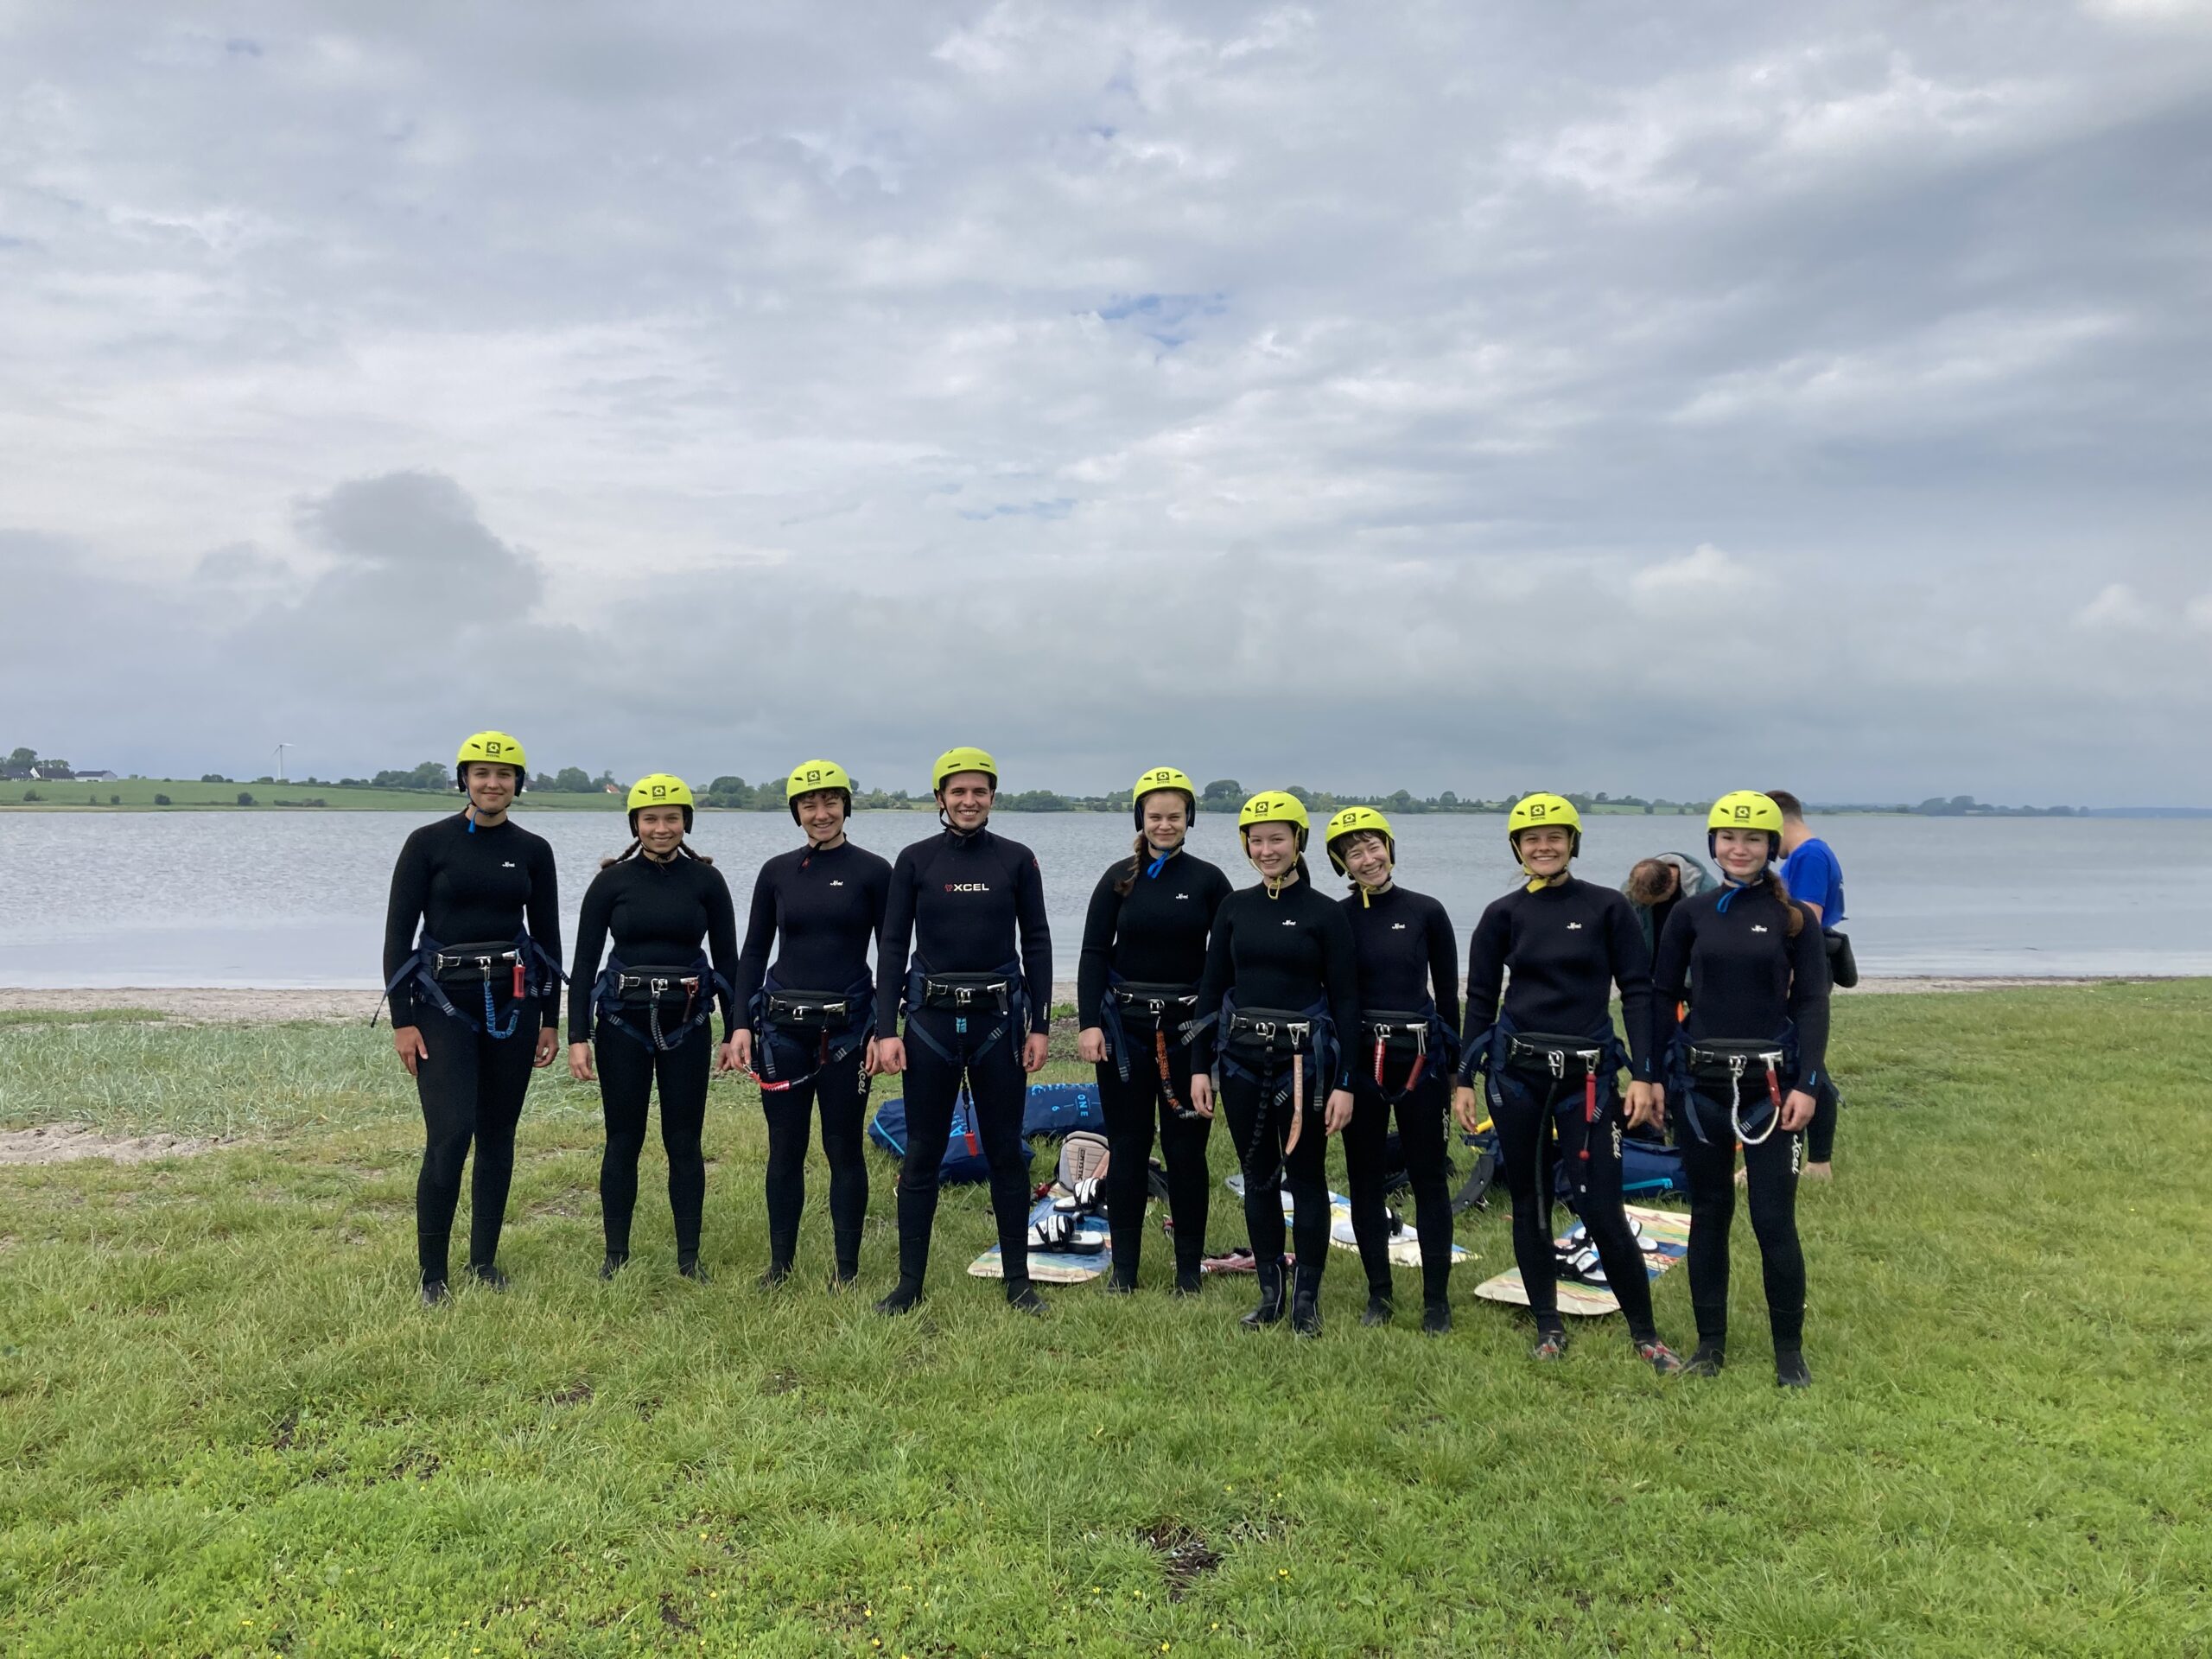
[1117,1039]
[834,1047]
[1682,1084]
[1013,1018]
[540,974]
[703,985]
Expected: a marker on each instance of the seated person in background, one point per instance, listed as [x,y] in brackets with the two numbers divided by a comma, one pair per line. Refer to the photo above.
[1656,886]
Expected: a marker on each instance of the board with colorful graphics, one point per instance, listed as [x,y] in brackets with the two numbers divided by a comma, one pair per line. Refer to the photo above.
[1053,1267]
[1666,1234]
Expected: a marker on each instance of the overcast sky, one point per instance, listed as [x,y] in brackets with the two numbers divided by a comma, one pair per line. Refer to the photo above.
[1481,398]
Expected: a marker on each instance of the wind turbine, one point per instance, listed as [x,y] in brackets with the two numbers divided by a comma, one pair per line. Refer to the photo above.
[279,752]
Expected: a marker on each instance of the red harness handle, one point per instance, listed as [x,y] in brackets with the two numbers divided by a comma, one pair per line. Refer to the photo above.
[518,982]
[1774,1088]
[1589,1107]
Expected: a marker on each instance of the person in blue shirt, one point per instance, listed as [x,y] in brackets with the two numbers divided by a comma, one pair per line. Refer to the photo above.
[1815,878]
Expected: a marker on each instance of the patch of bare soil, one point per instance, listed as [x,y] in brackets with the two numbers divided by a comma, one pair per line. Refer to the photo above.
[63,1143]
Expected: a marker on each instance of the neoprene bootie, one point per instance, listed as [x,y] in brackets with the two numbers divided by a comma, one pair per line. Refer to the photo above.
[1270,1311]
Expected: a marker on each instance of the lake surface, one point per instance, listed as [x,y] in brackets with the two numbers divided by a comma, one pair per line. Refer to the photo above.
[296,899]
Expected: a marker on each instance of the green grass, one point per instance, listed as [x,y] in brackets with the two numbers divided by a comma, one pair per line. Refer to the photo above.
[226,1427]
[77,1017]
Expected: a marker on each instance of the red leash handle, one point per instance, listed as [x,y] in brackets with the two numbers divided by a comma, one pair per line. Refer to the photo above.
[518,982]
[1589,1107]
[1774,1088]
[1378,1062]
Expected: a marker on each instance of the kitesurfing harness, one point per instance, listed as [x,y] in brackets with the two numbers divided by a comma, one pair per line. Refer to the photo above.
[434,967]
[969,1000]
[1271,1047]
[1712,1061]
[1553,1062]
[835,1024]
[657,1006]
[1420,1034]
[1160,1008]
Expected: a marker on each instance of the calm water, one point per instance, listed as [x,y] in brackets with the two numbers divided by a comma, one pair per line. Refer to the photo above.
[296,899]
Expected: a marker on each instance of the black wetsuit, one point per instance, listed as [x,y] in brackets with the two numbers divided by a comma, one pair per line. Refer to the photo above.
[818,911]
[1567,946]
[465,887]
[960,903]
[1754,983]
[1156,934]
[659,915]
[1409,961]
[1289,953]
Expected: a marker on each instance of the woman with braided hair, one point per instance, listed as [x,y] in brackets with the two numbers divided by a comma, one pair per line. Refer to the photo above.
[1144,951]
[1746,1066]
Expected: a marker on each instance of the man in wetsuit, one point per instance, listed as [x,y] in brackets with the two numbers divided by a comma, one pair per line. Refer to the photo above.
[978,1009]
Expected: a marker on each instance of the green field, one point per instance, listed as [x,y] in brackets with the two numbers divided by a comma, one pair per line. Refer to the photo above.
[137,794]
[227,1426]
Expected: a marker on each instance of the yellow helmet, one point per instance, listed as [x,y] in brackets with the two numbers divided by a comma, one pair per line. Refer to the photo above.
[1352,821]
[964,759]
[1539,810]
[1273,806]
[809,776]
[1163,778]
[495,747]
[1744,809]
[660,789]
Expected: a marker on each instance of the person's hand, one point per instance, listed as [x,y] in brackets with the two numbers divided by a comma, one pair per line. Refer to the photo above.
[740,1050]
[1035,1048]
[887,1056]
[1466,1107]
[407,1041]
[726,1059]
[1796,1111]
[548,1045]
[580,1062]
[1337,1112]
[1091,1045]
[1644,1103]
[1202,1094]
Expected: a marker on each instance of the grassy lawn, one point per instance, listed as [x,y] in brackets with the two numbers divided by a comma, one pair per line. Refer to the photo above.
[227,1426]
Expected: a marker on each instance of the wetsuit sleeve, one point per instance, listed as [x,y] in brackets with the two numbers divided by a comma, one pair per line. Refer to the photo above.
[1213,986]
[892,943]
[1444,967]
[721,943]
[1097,957]
[1218,896]
[1632,973]
[1668,977]
[544,914]
[760,939]
[410,892]
[1808,1000]
[1036,942]
[591,944]
[1486,980]
[1340,981]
